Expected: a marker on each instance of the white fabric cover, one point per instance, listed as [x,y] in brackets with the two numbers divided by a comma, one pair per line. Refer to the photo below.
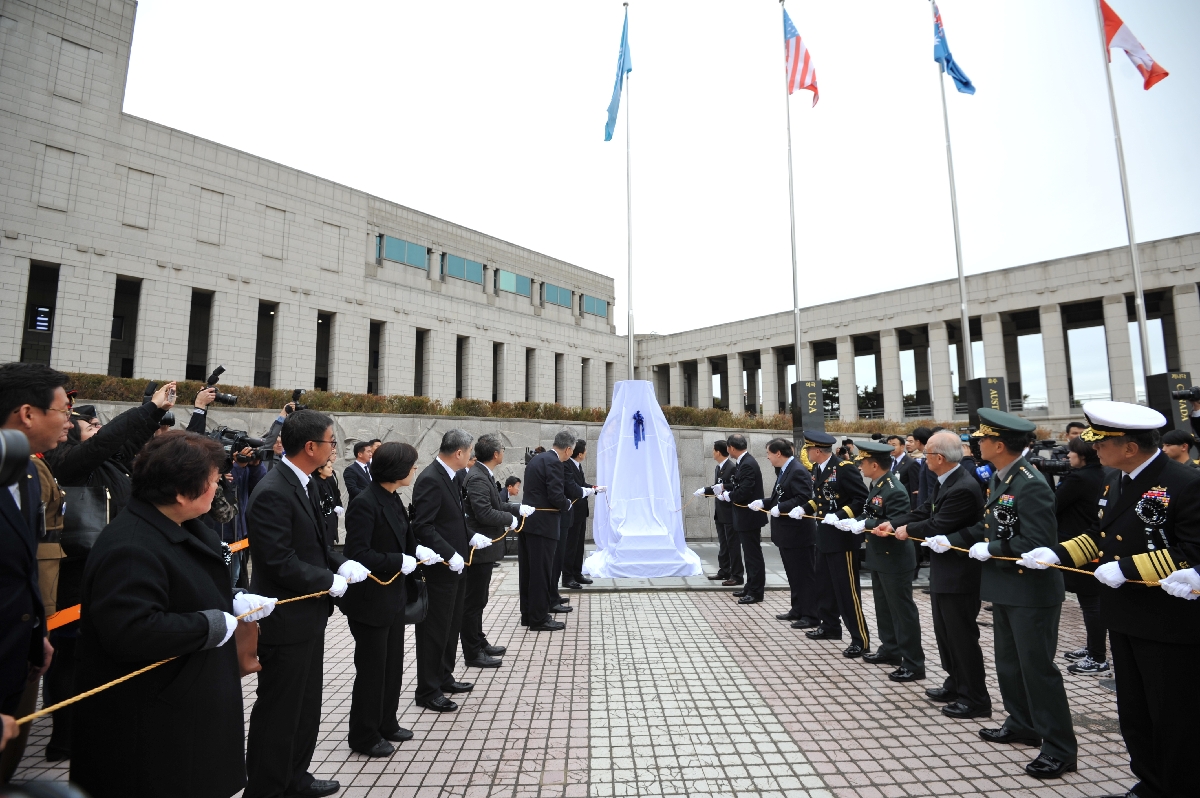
[637,524]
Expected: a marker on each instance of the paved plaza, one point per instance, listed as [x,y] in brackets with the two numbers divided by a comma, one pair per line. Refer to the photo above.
[672,691]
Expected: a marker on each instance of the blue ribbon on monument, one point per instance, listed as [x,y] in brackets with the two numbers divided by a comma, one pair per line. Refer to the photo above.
[639,428]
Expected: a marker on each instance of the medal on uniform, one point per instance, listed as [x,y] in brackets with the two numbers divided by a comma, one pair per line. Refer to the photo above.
[1152,510]
[1005,513]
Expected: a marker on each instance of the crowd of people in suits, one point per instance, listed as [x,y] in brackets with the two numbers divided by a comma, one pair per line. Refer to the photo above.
[1125,520]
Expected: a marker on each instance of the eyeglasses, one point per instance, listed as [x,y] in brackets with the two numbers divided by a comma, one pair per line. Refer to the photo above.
[66,411]
[333,442]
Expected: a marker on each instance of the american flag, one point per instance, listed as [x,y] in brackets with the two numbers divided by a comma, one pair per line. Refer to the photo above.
[801,74]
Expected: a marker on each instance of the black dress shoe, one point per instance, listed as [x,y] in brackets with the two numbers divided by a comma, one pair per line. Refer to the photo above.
[746,599]
[940,694]
[959,710]
[459,687]
[875,659]
[787,616]
[822,633]
[400,735]
[903,674]
[495,651]
[1002,736]
[562,608]
[718,577]
[1047,767]
[738,593]
[547,626]
[57,755]
[439,704]
[562,600]
[853,651]
[583,580]
[572,585]
[805,623]
[732,583]
[484,661]
[317,789]
[381,748]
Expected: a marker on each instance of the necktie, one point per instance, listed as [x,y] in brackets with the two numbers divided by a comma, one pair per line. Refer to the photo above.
[1126,481]
[367,471]
[314,499]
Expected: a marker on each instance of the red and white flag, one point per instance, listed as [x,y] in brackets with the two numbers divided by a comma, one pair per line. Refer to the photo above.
[801,74]
[1117,34]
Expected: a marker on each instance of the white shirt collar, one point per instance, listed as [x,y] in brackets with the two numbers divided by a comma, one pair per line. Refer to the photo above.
[449,471]
[821,465]
[304,478]
[1134,473]
[738,460]
[942,479]
[784,467]
[485,468]
[365,466]
[15,490]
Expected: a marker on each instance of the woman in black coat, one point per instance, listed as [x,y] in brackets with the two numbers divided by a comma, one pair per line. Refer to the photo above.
[378,536]
[156,587]
[1075,505]
[331,500]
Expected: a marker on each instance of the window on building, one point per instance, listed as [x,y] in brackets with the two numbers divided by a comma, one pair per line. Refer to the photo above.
[464,269]
[401,251]
[123,346]
[39,312]
[324,339]
[513,283]
[556,296]
[597,307]
[199,326]
[264,345]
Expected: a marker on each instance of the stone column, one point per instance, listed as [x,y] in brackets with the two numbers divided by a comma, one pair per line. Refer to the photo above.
[293,361]
[1187,328]
[542,380]
[440,357]
[397,347]
[893,388]
[752,375]
[512,373]
[83,319]
[488,282]
[162,334]
[1054,358]
[806,371]
[1120,356]
[768,362]
[704,391]
[993,346]
[737,398]
[349,352]
[480,362]
[942,389]
[676,390]
[434,273]
[847,386]
[572,380]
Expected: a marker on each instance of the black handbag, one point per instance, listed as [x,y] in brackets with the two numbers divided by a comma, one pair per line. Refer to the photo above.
[85,514]
[417,606]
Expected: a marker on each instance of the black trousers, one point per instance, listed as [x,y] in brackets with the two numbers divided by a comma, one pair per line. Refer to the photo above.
[59,685]
[841,595]
[536,555]
[479,582]
[729,552]
[378,671]
[756,567]
[1030,683]
[800,565]
[560,556]
[1094,625]
[437,635]
[956,628]
[573,558]
[285,719]
[1157,712]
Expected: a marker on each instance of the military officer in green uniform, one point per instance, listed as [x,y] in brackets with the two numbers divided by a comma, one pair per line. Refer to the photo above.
[891,562]
[1018,516]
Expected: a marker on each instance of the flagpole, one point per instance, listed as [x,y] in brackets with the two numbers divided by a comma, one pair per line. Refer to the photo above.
[964,316]
[629,219]
[1138,302]
[792,211]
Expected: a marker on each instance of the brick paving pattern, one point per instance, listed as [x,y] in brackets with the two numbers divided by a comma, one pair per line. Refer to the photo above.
[684,693]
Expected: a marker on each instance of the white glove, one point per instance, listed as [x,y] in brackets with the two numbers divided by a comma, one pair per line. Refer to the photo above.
[938,544]
[428,555]
[699,492]
[718,489]
[354,572]
[1110,574]
[726,496]
[338,588]
[852,526]
[526,510]
[980,551]
[410,564]
[756,505]
[457,563]
[775,511]
[513,525]
[245,602]
[601,489]
[588,492]
[1035,558]
[480,542]
[1180,584]
[230,624]
[796,513]
[340,511]
[830,519]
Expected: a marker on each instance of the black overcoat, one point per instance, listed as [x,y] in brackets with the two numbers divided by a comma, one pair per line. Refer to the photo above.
[956,505]
[487,515]
[746,487]
[378,536]
[1075,507]
[544,488]
[793,488]
[439,519]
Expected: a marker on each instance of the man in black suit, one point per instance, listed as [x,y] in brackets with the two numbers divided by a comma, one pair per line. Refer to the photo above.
[572,574]
[746,486]
[32,402]
[901,462]
[488,519]
[538,539]
[291,558]
[357,475]
[729,546]
[956,503]
[795,537]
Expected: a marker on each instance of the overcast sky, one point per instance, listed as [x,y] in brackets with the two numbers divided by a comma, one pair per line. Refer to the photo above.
[491,115]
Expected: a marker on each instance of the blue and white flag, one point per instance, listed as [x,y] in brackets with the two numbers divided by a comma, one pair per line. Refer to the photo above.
[624,67]
[941,54]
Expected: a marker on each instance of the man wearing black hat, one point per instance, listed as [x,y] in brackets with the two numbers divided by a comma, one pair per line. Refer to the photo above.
[838,493]
[1147,530]
[1019,516]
